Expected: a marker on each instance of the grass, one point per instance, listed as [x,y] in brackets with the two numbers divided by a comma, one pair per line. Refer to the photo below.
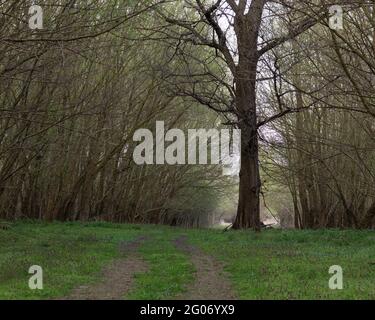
[170,269]
[275,264]
[70,254]
[294,264]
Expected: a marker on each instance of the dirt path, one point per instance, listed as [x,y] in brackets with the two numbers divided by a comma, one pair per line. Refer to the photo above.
[117,278]
[211,281]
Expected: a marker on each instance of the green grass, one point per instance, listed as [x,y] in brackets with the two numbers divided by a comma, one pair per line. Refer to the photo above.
[70,254]
[274,264]
[170,269]
[280,264]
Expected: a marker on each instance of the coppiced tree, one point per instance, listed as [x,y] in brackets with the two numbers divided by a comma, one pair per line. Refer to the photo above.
[72,95]
[325,155]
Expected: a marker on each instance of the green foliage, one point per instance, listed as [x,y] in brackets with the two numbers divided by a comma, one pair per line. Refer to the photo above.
[274,264]
[291,264]
[70,255]
[170,269]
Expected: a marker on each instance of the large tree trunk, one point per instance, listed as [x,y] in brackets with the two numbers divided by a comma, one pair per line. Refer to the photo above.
[247,31]
[248,214]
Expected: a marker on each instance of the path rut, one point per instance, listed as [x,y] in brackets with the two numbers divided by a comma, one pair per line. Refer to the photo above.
[211,281]
[117,277]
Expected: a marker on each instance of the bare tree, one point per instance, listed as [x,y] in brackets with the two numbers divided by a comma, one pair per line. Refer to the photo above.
[238,35]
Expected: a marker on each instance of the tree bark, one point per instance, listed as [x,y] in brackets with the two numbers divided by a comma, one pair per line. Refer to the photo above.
[247,30]
[248,212]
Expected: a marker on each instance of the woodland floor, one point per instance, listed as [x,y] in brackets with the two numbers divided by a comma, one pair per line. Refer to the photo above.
[109,261]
